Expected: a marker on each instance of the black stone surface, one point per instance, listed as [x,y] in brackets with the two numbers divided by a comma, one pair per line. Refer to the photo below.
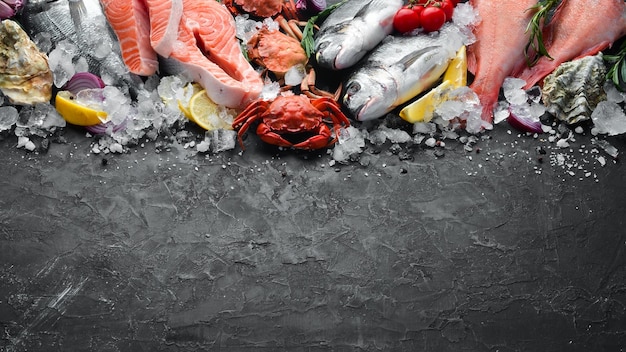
[410,248]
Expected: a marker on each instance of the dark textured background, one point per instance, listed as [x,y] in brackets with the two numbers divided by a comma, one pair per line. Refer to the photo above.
[273,250]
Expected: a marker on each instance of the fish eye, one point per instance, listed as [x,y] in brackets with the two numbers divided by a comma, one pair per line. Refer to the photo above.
[322,45]
[353,88]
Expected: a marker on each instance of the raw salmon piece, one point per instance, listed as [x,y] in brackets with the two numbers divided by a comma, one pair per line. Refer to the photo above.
[209,51]
[499,47]
[131,24]
[164,22]
[579,28]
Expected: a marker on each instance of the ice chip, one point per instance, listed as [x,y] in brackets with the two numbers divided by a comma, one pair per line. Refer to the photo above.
[608,118]
[501,112]
[8,117]
[295,75]
[606,146]
[424,127]
[350,143]
[513,90]
[613,94]
[218,140]
[270,91]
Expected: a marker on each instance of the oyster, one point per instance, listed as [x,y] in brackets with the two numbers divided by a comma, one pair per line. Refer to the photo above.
[25,76]
[573,90]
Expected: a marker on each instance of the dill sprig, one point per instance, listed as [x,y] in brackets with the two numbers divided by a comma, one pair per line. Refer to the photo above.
[308,42]
[617,69]
[543,13]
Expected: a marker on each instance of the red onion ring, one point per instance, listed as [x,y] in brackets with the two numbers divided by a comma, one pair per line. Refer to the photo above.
[83,80]
[523,123]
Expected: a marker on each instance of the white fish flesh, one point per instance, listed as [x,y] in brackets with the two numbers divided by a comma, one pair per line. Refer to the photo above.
[353,29]
[398,69]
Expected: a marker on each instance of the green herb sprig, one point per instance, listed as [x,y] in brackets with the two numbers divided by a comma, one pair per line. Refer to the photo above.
[617,69]
[543,13]
[308,43]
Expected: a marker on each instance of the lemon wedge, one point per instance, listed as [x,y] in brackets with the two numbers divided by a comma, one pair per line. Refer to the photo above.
[457,69]
[422,109]
[75,113]
[184,105]
[206,113]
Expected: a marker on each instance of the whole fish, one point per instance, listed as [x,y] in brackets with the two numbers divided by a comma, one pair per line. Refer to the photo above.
[574,32]
[81,23]
[353,29]
[398,69]
[499,48]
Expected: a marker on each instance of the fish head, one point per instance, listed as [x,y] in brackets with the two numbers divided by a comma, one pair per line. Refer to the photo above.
[337,53]
[369,95]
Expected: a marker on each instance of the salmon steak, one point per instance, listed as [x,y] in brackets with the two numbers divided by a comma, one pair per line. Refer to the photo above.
[578,28]
[499,48]
[199,34]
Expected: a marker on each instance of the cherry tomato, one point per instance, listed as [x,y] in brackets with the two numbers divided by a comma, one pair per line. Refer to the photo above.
[448,7]
[432,18]
[406,20]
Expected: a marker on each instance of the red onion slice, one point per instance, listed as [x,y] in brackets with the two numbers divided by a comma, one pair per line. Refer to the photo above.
[521,119]
[83,80]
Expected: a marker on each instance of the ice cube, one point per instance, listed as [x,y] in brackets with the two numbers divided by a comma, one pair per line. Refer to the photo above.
[613,94]
[513,90]
[8,117]
[350,143]
[295,75]
[606,146]
[501,112]
[217,141]
[608,118]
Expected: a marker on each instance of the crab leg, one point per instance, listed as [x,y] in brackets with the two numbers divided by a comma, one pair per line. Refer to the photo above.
[247,117]
[339,119]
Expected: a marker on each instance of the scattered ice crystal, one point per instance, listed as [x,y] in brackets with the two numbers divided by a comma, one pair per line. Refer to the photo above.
[383,133]
[39,120]
[608,118]
[606,146]
[513,91]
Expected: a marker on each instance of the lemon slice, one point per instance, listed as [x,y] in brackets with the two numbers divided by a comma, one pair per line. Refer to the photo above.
[457,69]
[422,109]
[206,113]
[184,105]
[75,113]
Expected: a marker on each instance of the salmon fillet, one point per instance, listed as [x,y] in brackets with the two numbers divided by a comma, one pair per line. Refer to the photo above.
[131,24]
[210,53]
[499,47]
[164,18]
[579,28]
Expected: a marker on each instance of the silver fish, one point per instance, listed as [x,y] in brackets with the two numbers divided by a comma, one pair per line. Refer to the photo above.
[398,69]
[353,29]
[81,23]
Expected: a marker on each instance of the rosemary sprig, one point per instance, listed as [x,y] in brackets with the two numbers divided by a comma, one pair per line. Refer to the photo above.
[617,69]
[308,43]
[543,13]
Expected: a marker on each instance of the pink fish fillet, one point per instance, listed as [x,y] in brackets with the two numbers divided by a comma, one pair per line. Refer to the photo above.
[131,24]
[579,28]
[499,47]
[210,53]
[164,22]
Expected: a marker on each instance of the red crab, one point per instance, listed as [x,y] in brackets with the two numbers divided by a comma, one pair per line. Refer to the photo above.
[293,115]
[263,8]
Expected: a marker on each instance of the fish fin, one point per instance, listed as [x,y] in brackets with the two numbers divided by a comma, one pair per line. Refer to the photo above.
[363,10]
[410,58]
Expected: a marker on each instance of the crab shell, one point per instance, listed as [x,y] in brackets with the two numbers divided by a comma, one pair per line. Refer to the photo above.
[575,88]
[276,51]
[265,8]
[25,76]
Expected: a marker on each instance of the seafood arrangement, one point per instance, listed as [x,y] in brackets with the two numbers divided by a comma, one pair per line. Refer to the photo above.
[204,49]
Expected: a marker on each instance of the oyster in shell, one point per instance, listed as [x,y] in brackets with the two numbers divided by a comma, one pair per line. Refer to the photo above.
[25,76]
[573,90]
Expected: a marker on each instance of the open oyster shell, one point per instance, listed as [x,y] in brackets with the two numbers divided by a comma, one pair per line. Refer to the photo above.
[25,76]
[573,90]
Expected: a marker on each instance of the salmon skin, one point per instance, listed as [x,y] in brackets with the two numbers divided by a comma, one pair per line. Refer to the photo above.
[499,48]
[197,34]
[82,23]
[579,28]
